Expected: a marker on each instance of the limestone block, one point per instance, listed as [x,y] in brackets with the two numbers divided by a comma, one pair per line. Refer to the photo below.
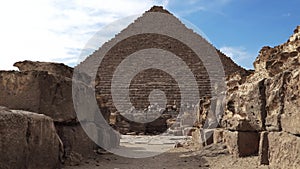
[38,92]
[242,144]
[263,153]
[290,119]
[284,150]
[275,94]
[28,141]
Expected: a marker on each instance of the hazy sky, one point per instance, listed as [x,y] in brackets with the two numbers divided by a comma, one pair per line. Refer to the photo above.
[58,30]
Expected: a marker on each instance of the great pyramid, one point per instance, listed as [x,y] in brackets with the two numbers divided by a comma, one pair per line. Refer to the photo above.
[160,30]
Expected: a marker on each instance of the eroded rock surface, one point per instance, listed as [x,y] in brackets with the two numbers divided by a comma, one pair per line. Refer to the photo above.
[50,93]
[290,119]
[28,141]
[284,150]
[245,107]
[267,102]
[52,68]
[38,92]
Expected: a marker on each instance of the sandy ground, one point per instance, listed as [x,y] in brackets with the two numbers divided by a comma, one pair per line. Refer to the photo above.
[188,157]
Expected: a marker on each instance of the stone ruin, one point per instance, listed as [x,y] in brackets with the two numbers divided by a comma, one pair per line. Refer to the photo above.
[261,116]
[52,135]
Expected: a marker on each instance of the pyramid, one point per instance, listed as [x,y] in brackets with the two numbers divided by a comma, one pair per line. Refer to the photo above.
[138,59]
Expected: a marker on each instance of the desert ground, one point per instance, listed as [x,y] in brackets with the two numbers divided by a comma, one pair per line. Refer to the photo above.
[187,156]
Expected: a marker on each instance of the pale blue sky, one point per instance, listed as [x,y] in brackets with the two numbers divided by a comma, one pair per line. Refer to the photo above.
[242,27]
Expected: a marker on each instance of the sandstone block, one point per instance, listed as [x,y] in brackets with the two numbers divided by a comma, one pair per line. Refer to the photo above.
[263,153]
[242,144]
[28,141]
[284,150]
[290,119]
[38,92]
[275,94]
[78,144]
[207,136]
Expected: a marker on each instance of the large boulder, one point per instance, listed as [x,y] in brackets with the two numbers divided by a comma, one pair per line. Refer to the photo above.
[38,92]
[282,104]
[203,137]
[284,150]
[51,95]
[28,141]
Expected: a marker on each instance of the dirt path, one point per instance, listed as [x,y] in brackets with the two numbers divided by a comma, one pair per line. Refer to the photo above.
[215,157]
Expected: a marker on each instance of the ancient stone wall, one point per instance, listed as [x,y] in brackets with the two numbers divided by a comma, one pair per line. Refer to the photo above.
[261,116]
[50,93]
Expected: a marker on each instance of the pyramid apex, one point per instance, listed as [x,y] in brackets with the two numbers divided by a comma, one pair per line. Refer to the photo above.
[158,9]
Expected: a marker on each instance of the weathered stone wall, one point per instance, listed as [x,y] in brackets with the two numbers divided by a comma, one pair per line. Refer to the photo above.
[261,113]
[51,94]
[267,103]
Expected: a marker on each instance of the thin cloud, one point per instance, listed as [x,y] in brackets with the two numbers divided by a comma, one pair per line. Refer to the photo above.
[192,6]
[240,55]
[54,30]
[287,15]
